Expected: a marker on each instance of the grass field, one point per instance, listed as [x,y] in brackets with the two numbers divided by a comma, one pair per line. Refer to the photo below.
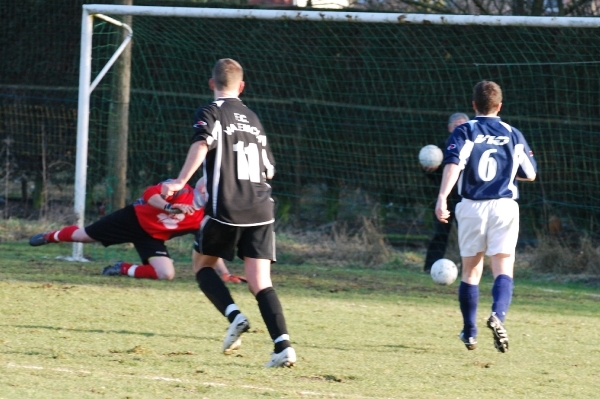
[68,332]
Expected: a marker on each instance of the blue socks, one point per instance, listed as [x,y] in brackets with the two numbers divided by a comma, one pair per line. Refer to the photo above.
[468,298]
[502,295]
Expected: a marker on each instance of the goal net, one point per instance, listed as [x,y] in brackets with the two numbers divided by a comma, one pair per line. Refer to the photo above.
[348,99]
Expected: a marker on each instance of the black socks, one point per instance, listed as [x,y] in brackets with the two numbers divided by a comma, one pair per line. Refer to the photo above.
[215,290]
[272,314]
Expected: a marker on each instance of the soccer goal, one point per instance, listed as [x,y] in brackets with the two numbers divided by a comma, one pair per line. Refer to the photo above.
[348,99]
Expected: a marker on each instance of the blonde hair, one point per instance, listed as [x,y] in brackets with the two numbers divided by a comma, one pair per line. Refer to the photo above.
[227,74]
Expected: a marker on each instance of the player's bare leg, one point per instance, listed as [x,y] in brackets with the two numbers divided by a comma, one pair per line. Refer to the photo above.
[468,297]
[163,266]
[503,264]
[214,288]
[258,274]
[80,235]
[472,268]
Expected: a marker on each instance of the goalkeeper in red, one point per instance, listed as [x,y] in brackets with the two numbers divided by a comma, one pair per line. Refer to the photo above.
[147,223]
[485,158]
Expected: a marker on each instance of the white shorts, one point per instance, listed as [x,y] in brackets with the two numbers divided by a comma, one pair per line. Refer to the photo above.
[489,225]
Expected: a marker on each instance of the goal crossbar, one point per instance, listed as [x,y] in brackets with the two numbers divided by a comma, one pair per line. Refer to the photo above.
[343,16]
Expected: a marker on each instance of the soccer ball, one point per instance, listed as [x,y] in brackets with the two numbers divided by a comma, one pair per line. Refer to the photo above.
[431,156]
[444,272]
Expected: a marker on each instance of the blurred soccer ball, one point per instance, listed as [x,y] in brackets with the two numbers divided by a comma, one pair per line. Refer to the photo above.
[431,156]
[444,272]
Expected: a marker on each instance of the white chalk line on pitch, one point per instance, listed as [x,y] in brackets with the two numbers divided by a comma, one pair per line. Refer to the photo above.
[209,384]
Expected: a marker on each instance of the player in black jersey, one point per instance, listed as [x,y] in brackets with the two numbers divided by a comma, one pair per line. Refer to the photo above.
[230,143]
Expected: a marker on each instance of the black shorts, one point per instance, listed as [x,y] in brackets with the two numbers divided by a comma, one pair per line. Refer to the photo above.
[221,240]
[121,227]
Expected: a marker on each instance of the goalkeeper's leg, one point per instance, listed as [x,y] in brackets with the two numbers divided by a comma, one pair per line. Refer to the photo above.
[156,268]
[66,234]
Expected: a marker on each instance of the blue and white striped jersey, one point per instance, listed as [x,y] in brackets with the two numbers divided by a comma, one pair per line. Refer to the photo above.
[491,154]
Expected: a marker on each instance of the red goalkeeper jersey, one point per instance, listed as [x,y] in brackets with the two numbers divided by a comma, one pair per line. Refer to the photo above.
[161,224]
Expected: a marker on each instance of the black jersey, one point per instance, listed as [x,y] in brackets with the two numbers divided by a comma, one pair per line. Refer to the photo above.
[237,163]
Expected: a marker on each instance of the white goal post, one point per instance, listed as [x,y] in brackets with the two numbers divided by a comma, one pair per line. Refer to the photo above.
[103,11]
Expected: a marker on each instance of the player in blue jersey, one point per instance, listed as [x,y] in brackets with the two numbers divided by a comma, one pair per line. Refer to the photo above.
[437,246]
[485,157]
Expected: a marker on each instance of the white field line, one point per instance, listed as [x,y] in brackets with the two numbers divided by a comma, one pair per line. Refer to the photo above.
[168,379]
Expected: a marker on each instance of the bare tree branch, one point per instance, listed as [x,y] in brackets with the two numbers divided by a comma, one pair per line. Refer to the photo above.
[537,7]
[486,7]
[481,7]
[579,5]
[427,7]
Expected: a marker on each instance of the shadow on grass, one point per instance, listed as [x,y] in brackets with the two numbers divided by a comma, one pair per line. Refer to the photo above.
[101,331]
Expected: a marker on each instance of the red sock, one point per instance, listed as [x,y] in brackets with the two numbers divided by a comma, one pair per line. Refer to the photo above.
[125,267]
[63,235]
[138,271]
[145,271]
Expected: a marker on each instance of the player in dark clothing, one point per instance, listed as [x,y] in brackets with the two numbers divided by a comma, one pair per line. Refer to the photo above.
[441,231]
[229,141]
[485,158]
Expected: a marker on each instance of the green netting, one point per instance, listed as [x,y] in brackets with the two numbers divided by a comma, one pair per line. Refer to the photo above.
[347,106]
